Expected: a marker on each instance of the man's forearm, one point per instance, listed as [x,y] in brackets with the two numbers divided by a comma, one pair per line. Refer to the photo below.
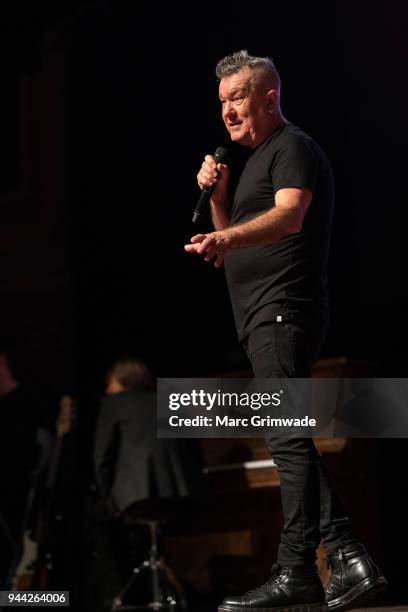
[220,212]
[267,228]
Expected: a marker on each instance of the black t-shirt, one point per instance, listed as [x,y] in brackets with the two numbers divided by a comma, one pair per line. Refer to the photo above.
[285,280]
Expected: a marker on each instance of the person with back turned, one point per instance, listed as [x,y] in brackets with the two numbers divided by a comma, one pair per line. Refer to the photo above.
[136,471]
[273,238]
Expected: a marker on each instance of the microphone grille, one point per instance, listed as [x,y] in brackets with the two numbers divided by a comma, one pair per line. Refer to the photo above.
[221,155]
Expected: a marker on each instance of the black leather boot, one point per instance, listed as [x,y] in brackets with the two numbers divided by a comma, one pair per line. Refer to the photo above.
[354,578]
[290,589]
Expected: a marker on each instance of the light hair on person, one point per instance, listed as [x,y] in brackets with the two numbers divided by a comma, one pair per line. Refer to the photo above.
[130,372]
[262,67]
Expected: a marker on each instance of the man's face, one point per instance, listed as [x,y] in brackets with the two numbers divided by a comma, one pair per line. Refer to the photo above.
[244,108]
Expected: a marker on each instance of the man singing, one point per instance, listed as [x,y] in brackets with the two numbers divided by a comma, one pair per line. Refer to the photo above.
[274,239]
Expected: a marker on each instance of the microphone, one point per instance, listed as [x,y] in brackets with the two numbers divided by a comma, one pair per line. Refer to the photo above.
[220,156]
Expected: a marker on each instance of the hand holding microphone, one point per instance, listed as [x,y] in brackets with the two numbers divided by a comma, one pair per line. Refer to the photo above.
[213,176]
[213,179]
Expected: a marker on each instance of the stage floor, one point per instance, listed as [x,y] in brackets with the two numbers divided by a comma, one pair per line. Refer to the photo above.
[372,608]
[382,609]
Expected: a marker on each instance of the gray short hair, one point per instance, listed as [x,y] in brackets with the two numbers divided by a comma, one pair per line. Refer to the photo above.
[240,59]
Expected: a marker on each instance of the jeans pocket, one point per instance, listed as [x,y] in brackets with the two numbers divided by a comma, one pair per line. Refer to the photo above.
[303,348]
[270,351]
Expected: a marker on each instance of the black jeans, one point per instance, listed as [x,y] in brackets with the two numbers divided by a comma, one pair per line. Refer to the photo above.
[311,508]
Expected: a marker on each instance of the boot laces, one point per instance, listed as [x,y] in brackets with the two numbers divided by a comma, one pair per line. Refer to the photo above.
[275,571]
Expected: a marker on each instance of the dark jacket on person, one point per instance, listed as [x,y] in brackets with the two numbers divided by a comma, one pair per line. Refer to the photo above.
[131,464]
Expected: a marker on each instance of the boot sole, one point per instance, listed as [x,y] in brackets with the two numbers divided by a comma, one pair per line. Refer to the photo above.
[317,607]
[362,592]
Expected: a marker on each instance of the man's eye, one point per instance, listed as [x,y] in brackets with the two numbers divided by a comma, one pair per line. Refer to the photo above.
[237,101]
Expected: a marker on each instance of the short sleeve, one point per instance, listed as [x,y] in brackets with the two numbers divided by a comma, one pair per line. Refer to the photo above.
[295,164]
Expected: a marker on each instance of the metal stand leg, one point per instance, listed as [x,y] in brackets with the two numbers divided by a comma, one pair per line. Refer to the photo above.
[163,582]
[118,599]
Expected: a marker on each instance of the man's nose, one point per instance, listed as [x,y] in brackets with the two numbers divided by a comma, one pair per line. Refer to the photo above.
[228,110]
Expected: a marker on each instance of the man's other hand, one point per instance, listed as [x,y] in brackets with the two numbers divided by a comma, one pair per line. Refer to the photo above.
[215,244]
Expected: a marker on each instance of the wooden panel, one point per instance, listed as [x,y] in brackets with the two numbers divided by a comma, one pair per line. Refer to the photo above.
[195,553]
[227,453]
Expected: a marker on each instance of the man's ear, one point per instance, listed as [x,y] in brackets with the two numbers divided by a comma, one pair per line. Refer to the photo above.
[271,97]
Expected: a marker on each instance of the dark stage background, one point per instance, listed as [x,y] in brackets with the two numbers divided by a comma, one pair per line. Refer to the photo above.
[107,111]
